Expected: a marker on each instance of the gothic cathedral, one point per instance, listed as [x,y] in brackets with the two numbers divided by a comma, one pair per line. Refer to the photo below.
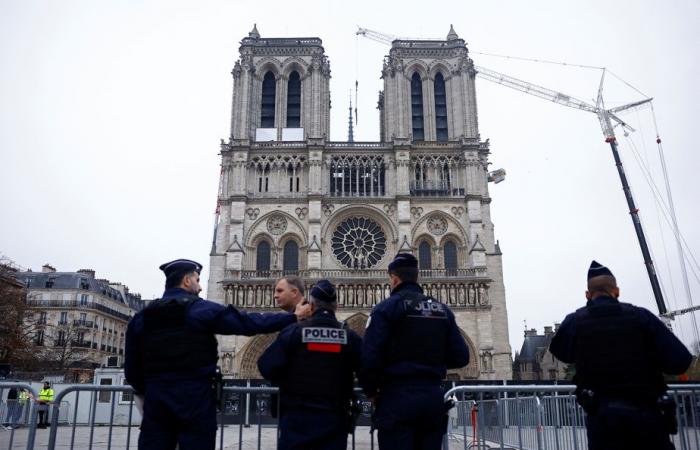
[293,202]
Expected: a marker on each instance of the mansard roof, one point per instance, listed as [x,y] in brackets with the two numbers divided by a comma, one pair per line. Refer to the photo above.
[77,280]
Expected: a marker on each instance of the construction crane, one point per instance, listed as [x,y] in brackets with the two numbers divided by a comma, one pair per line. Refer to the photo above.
[606,117]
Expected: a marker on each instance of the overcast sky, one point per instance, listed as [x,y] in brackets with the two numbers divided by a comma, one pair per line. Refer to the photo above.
[111,115]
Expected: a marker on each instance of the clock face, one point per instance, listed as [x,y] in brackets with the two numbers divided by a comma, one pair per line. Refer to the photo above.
[358,243]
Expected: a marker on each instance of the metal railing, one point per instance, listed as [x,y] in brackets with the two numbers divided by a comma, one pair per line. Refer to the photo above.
[525,417]
[535,417]
[27,415]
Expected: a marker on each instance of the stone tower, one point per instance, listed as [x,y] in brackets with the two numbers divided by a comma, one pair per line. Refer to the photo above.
[294,202]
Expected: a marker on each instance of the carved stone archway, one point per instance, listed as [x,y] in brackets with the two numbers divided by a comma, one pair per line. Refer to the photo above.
[250,353]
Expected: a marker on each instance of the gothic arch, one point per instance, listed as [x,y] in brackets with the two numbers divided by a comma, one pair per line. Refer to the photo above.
[449,236]
[301,253]
[251,352]
[471,371]
[419,66]
[452,225]
[442,67]
[364,209]
[257,228]
[268,64]
[293,63]
[357,322]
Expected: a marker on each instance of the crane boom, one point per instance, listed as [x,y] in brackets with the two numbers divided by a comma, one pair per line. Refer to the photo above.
[606,117]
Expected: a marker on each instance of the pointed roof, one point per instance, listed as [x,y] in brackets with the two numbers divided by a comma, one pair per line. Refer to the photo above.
[254,33]
[452,35]
[314,245]
[235,245]
[478,246]
[405,246]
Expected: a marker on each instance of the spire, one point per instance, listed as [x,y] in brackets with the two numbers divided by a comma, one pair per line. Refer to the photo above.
[254,32]
[350,137]
[452,35]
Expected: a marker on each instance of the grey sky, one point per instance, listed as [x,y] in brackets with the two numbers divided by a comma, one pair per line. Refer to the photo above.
[111,114]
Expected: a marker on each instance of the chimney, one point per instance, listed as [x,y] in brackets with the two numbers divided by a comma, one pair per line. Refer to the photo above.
[47,268]
[548,331]
[531,332]
[89,272]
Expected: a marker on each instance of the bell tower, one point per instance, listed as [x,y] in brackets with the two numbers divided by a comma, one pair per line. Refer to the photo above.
[280,90]
[428,91]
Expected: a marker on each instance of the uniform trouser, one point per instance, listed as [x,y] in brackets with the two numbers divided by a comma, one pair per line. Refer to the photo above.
[410,418]
[312,429]
[619,425]
[178,412]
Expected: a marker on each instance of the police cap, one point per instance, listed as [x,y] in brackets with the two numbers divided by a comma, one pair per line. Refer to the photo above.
[324,291]
[403,260]
[597,270]
[175,270]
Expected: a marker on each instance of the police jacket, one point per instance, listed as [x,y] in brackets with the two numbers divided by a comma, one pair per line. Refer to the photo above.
[173,338]
[620,350]
[313,362]
[410,339]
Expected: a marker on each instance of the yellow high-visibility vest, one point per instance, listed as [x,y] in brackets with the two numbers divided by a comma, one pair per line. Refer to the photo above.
[46,395]
[23,396]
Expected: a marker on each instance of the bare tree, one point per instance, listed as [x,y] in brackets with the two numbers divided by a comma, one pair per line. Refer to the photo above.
[68,347]
[17,323]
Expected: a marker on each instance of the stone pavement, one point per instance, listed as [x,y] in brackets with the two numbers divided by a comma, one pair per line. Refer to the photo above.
[100,439]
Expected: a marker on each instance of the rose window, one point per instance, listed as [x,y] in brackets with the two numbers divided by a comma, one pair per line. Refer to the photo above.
[358,243]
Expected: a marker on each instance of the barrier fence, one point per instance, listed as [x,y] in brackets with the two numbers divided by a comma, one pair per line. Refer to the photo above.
[525,417]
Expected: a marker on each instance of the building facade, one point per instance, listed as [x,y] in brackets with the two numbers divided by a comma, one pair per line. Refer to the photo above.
[293,202]
[79,321]
[534,361]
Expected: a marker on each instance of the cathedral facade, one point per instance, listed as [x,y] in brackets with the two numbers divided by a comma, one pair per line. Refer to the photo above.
[293,202]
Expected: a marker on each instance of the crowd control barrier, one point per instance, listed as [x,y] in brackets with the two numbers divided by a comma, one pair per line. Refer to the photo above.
[524,417]
[537,417]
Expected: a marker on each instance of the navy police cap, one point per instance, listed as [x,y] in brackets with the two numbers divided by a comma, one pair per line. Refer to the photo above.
[180,267]
[597,270]
[324,291]
[403,260]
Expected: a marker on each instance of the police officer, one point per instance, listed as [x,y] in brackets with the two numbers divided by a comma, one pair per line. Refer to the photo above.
[410,341]
[620,352]
[313,363]
[171,355]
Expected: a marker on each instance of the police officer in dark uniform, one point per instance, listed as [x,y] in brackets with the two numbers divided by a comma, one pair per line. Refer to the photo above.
[410,341]
[313,363]
[171,355]
[620,352]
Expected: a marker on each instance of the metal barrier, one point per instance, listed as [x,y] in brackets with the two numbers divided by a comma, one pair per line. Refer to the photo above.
[534,417]
[28,414]
[485,417]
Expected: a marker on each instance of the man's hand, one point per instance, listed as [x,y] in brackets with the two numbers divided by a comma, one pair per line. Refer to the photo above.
[302,311]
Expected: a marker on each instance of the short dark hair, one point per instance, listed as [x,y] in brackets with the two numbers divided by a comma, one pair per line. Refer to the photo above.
[294,281]
[602,284]
[406,274]
[176,279]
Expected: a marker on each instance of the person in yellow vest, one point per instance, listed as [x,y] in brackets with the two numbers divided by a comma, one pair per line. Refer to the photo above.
[22,399]
[45,399]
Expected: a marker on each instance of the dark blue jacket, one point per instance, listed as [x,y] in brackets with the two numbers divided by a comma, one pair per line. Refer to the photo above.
[377,372]
[204,316]
[275,362]
[672,356]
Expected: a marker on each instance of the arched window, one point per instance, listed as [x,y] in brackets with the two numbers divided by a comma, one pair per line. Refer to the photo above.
[425,258]
[417,107]
[262,260]
[267,105]
[450,252]
[440,108]
[294,100]
[291,257]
